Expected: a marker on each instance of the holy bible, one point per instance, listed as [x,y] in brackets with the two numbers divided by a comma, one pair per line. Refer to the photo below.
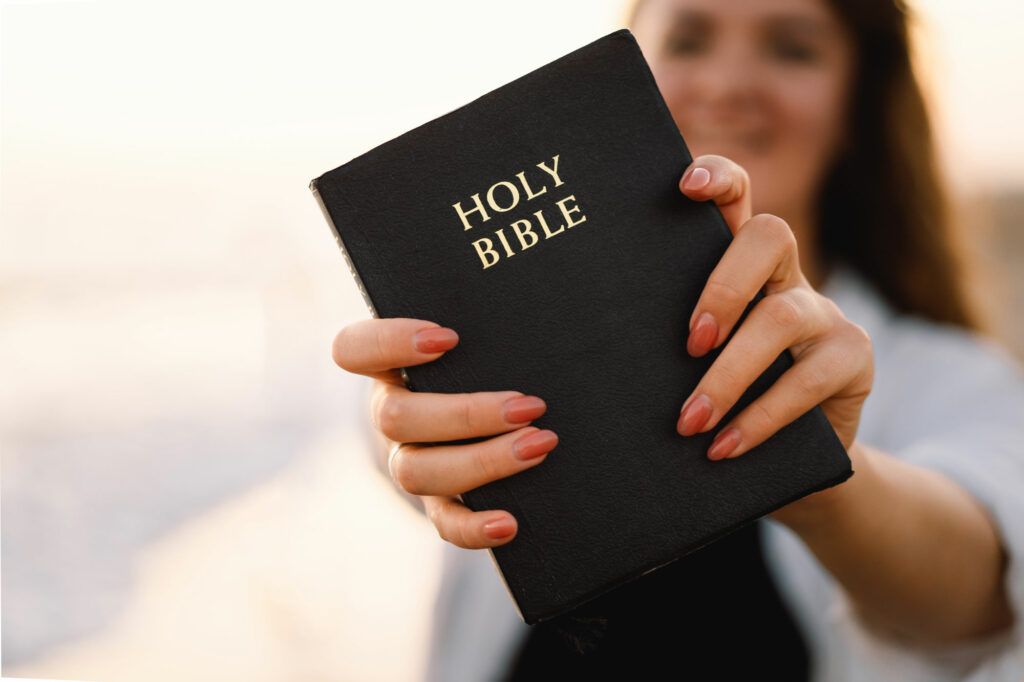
[544,224]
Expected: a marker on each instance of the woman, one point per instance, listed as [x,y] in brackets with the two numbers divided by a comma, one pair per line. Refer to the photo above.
[808,129]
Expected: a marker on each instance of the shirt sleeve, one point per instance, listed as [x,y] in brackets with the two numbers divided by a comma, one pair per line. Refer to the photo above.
[959,410]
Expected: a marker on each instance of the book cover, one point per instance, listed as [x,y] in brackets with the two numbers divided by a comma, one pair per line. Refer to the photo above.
[543,223]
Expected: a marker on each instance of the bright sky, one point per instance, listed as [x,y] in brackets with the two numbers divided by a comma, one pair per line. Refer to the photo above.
[973,56]
[98,96]
[326,80]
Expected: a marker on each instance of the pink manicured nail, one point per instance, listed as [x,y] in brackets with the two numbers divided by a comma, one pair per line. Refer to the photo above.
[523,409]
[724,444]
[435,339]
[703,336]
[535,444]
[499,528]
[699,177]
[695,415]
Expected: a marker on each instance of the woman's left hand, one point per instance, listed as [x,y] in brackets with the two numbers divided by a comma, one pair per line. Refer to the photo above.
[833,361]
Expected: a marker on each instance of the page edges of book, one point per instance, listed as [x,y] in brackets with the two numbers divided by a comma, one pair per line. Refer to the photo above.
[315,189]
[344,252]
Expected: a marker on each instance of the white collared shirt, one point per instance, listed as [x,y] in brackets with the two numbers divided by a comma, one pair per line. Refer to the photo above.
[943,398]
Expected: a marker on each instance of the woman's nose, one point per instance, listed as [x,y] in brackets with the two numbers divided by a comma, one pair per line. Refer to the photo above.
[728,79]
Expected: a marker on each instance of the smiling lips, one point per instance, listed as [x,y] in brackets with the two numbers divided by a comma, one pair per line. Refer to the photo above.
[723,139]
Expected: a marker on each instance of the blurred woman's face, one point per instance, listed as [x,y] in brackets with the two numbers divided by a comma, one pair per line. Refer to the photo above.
[763,82]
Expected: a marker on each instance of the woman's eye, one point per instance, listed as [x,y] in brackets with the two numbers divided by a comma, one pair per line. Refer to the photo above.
[794,52]
[684,45]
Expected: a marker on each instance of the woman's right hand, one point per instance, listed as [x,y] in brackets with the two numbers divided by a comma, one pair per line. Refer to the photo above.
[411,421]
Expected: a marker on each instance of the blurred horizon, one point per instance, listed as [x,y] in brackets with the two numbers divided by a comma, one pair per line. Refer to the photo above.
[181,462]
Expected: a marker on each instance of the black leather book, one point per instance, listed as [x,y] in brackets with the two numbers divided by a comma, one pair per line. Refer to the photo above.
[543,223]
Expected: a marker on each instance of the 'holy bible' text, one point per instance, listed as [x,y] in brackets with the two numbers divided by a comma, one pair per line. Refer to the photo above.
[506,195]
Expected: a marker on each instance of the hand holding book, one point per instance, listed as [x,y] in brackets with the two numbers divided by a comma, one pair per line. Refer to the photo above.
[833,367]
[595,280]
[413,420]
[833,359]
[567,264]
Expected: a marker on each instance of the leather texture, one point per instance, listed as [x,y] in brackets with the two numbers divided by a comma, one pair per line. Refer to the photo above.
[594,320]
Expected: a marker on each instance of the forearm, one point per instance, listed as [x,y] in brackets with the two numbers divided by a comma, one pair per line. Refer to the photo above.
[917,555]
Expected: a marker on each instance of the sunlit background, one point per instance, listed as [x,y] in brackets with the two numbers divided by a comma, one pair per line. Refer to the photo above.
[186,489]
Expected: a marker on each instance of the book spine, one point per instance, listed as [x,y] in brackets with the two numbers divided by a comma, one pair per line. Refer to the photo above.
[351,265]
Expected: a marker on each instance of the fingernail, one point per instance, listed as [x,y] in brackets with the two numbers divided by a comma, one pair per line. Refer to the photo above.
[523,409]
[703,336]
[695,415]
[535,444]
[435,339]
[499,528]
[699,177]
[724,444]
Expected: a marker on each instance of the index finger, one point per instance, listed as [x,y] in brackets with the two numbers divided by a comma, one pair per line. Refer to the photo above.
[723,181]
[378,346]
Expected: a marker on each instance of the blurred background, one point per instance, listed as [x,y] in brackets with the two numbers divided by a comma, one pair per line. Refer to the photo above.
[186,489]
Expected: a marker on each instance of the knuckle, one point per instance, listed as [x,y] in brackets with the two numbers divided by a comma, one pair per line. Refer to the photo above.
[855,339]
[378,391]
[820,315]
[389,414]
[467,535]
[468,413]
[781,309]
[832,309]
[338,349]
[775,228]
[381,343]
[739,180]
[867,374]
[440,522]
[485,461]
[708,160]
[725,294]
[776,232]
[814,381]
[727,380]
[433,509]
[440,513]
[403,472]
[444,531]
[742,175]
[860,337]
[864,348]
[830,317]
[763,417]
[456,531]
[722,164]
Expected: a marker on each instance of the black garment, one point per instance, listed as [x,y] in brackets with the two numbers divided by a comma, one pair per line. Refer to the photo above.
[712,615]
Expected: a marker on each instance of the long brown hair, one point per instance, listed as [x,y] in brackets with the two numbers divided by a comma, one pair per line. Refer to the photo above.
[884,210]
